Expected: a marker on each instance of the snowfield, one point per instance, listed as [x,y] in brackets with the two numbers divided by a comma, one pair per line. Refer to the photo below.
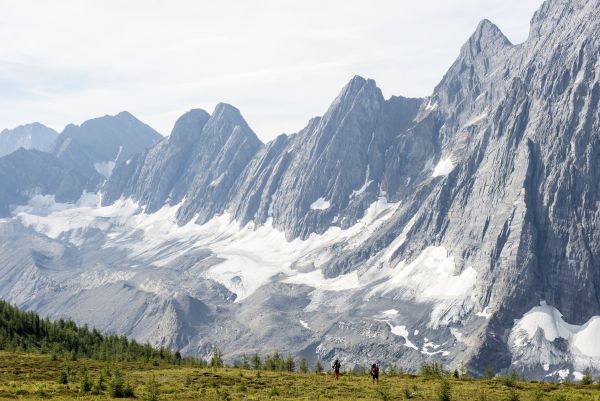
[247,258]
[547,322]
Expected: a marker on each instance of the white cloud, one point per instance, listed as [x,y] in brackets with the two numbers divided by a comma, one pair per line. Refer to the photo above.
[279,62]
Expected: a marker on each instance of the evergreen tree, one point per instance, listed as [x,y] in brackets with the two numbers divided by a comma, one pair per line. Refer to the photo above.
[245,364]
[256,362]
[303,365]
[27,331]
[318,367]
[289,364]
[85,384]
[587,378]
[152,390]
[216,360]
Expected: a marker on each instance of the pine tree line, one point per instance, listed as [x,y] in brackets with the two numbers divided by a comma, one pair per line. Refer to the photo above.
[26,331]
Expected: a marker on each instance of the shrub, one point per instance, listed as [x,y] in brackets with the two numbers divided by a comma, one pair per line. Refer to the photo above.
[99,385]
[384,394]
[510,379]
[63,378]
[444,392]
[119,388]
[512,395]
[152,390]
[85,384]
[538,395]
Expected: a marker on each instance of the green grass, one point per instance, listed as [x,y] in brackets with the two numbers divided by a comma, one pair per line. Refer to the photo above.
[30,376]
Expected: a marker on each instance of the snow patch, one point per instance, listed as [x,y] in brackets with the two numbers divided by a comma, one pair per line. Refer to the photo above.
[475,120]
[366,185]
[580,77]
[485,313]
[444,167]
[396,243]
[430,277]
[582,340]
[105,168]
[563,374]
[431,105]
[401,331]
[320,204]
[305,325]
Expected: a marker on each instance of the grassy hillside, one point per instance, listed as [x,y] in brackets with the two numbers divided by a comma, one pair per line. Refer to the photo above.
[35,376]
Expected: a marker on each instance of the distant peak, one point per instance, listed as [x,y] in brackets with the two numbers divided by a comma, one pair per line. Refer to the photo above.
[125,114]
[29,126]
[358,86]
[358,79]
[357,82]
[226,110]
[487,38]
[189,123]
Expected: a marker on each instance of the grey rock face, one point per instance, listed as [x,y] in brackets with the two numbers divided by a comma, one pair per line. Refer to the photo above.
[25,173]
[30,136]
[199,162]
[345,159]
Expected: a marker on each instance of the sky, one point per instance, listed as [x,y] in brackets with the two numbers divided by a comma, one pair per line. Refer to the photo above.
[280,62]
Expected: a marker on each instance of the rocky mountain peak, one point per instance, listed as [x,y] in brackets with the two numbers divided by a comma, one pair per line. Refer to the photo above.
[486,39]
[357,88]
[227,112]
[189,125]
[226,123]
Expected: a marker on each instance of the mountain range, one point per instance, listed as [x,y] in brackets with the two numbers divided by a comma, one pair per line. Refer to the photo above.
[463,227]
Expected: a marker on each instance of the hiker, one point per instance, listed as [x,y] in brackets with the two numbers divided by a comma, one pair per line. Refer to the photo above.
[375,373]
[336,368]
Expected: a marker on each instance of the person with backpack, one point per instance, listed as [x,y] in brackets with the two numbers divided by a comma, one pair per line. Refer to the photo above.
[375,373]
[336,368]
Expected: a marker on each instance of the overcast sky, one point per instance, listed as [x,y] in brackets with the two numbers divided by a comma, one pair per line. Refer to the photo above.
[280,62]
